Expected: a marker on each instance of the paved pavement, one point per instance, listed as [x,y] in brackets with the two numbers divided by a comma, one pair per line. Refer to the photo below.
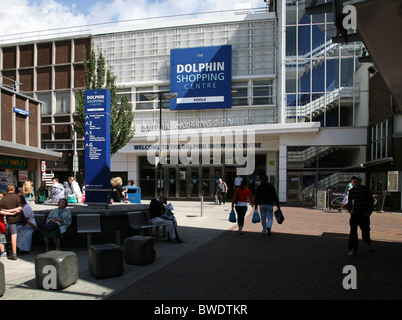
[196,230]
[303,259]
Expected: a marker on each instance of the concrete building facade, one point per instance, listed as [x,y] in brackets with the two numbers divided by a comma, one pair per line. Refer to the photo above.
[298,107]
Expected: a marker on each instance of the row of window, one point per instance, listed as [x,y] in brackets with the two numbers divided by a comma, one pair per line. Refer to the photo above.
[243,94]
[138,56]
[257,27]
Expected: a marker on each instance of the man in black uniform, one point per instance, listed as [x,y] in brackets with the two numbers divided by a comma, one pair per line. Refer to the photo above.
[360,205]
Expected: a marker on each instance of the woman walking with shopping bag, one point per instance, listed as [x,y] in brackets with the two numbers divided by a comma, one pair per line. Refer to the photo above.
[239,201]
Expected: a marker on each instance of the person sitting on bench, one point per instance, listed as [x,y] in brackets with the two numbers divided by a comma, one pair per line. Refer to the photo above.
[157,217]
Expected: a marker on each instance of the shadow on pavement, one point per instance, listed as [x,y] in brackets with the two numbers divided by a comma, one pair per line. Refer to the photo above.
[253,266]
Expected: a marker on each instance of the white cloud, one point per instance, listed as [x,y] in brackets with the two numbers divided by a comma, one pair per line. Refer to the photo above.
[23,16]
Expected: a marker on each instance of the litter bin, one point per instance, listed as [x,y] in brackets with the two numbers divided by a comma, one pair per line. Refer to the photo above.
[133,194]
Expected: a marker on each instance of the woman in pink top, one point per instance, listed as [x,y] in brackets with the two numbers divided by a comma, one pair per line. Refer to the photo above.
[240,200]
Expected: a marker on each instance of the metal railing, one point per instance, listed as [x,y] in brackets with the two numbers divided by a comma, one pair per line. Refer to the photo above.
[84,30]
[321,103]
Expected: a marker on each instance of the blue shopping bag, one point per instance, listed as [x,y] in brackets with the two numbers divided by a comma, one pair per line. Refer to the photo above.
[256,217]
[232,216]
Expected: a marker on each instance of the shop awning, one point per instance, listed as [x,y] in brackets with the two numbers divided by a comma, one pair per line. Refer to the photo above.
[21,150]
[378,161]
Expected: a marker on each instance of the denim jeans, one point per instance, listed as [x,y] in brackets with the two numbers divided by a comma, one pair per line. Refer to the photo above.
[267,213]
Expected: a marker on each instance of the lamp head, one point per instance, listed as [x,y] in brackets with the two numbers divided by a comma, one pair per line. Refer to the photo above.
[170,95]
[151,96]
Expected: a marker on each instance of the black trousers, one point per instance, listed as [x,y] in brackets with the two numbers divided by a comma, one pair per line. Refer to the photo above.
[362,221]
[241,213]
[222,196]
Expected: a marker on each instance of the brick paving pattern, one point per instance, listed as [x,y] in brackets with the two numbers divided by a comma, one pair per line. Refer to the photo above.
[303,259]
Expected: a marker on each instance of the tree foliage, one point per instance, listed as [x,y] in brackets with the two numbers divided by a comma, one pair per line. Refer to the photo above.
[121,115]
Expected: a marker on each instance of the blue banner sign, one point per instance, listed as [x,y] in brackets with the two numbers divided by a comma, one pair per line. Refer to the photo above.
[21,111]
[97,146]
[202,77]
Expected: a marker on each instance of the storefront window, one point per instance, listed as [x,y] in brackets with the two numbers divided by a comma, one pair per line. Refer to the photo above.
[14,170]
[378,181]
[323,167]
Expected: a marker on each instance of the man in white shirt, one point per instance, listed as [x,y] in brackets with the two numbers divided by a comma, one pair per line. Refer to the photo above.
[237,182]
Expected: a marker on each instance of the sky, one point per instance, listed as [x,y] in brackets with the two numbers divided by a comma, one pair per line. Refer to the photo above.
[21,16]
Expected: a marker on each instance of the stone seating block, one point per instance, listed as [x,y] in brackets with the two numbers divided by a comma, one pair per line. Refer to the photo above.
[65,265]
[105,260]
[139,250]
[2,280]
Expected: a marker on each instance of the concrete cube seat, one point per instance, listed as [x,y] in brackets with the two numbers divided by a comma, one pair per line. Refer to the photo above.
[2,280]
[139,250]
[105,260]
[64,263]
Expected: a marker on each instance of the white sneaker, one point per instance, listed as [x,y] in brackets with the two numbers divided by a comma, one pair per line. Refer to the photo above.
[352,253]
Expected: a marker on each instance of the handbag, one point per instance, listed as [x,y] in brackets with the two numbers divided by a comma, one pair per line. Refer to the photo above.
[232,216]
[279,216]
[48,226]
[256,217]
[71,198]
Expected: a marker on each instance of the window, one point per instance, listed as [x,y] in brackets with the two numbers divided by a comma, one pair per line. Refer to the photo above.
[239,93]
[46,98]
[379,140]
[142,102]
[123,92]
[262,92]
[62,102]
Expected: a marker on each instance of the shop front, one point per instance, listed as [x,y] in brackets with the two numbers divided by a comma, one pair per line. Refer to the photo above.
[194,181]
[15,170]
[315,169]
[20,163]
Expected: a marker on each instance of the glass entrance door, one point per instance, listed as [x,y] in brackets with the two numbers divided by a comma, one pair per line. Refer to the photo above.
[207,186]
[172,182]
[301,188]
[194,182]
[182,183]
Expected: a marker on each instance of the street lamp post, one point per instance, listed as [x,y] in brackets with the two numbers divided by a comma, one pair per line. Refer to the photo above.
[153,96]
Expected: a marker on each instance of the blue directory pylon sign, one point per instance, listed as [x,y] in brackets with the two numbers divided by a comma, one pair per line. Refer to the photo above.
[97,146]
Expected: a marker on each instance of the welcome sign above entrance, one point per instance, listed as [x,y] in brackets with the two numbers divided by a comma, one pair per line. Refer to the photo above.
[202,77]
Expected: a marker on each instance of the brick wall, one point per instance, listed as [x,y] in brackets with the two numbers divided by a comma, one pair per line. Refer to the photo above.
[16,127]
[379,99]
